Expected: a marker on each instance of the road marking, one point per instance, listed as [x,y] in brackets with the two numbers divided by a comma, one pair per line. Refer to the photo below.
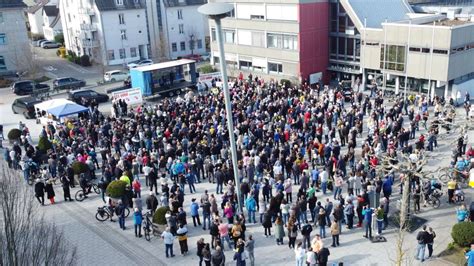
[79,69]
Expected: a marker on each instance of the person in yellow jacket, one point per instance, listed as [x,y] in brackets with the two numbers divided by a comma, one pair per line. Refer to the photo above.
[451,188]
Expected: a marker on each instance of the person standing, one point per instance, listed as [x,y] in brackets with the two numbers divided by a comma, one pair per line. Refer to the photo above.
[430,241]
[50,191]
[251,206]
[379,217]
[168,238]
[249,246]
[279,231]
[267,224]
[367,213]
[195,212]
[422,240]
[206,213]
[182,234]
[323,256]
[451,188]
[306,230]
[39,191]
[299,254]
[322,223]
[349,212]
[292,233]
[224,233]
[151,202]
[121,214]
[335,233]
[66,183]
[470,256]
[218,257]
[461,214]
[137,220]
[237,231]
[200,247]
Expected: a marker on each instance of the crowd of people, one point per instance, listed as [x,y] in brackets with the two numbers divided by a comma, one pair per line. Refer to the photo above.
[295,146]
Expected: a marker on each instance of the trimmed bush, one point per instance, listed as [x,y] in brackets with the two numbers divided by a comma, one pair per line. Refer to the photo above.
[44,144]
[159,216]
[59,38]
[116,189]
[463,234]
[79,168]
[85,61]
[207,69]
[14,134]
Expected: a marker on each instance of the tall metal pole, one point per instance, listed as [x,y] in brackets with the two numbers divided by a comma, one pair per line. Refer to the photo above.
[364,76]
[431,90]
[385,60]
[228,109]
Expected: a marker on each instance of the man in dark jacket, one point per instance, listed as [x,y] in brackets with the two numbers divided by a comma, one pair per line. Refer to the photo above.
[323,256]
[39,191]
[218,257]
[422,238]
[152,180]
[151,202]
[306,232]
[66,183]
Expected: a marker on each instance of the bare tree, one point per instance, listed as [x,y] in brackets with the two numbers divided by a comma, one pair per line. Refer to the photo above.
[26,237]
[192,36]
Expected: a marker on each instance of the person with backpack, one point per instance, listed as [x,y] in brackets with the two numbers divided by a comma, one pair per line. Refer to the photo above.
[306,230]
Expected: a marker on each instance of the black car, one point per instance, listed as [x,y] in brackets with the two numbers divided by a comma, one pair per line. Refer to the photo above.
[88,95]
[26,87]
[68,83]
[25,106]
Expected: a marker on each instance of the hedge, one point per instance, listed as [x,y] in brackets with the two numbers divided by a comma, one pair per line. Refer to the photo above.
[116,189]
[463,234]
[79,168]
[14,134]
[44,144]
[159,216]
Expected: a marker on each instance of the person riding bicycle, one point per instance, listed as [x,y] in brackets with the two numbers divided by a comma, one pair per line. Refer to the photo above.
[85,185]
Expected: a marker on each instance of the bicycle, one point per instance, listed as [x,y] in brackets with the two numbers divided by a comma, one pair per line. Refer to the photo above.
[104,213]
[447,173]
[149,228]
[434,199]
[80,196]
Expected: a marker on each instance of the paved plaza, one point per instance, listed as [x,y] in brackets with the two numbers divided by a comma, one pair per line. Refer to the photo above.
[105,243]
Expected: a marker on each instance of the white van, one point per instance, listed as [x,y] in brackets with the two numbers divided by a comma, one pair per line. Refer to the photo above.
[115,75]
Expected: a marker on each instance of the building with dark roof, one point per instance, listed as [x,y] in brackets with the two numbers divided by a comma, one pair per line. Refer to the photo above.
[110,32]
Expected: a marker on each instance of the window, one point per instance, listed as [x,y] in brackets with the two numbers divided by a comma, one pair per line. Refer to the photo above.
[213,34]
[199,44]
[182,46]
[133,52]
[121,19]
[258,39]
[174,47]
[3,66]
[350,47]
[69,17]
[3,38]
[275,67]
[1,17]
[257,17]
[245,65]
[180,14]
[229,36]
[122,53]
[394,58]
[281,41]
[110,55]
[425,50]
[119,2]
[333,45]
[342,46]
[438,51]
[123,34]
[414,49]
[181,28]
[342,24]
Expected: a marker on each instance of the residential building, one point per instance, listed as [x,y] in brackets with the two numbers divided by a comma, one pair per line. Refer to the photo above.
[35,17]
[276,39]
[401,49]
[111,32]
[15,53]
[51,22]
[176,28]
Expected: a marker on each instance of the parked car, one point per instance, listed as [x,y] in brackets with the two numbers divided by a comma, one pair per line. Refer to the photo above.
[194,57]
[89,95]
[144,62]
[25,87]
[25,106]
[206,57]
[50,44]
[68,83]
[39,42]
[115,75]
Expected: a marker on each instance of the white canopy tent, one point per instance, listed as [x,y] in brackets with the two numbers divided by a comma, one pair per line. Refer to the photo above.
[45,106]
[48,116]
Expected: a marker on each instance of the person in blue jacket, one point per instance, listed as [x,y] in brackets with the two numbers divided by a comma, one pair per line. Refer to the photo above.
[367,213]
[195,212]
[251,206]
[137,220]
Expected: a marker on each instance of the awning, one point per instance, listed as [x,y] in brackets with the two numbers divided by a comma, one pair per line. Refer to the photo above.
[67,110]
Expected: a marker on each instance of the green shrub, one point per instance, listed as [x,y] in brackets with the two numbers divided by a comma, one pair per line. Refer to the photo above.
[463,234]
[59,38]
[79,168]
[14,134]
[116,189]
[207,69]
[44,144]
[159,216]
[285,82]
[85,61]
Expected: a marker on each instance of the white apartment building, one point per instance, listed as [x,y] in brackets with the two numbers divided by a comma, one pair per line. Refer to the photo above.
[111,32]
[176,28]
[51,22]
[15,53]
[38,18]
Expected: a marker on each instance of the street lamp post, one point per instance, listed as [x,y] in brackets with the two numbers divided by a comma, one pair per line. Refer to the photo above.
[218,11]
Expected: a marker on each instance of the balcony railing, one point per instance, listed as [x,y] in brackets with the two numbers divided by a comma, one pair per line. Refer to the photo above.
[88,27]
[86,11]
[90,43]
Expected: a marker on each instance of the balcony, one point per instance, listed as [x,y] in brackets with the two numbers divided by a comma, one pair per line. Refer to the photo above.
[88,27]
[88,43]
[86,11]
